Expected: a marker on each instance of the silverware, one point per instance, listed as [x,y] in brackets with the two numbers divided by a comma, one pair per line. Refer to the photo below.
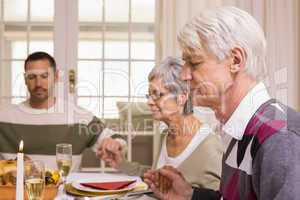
[131,194]
[97,198]
[127,196]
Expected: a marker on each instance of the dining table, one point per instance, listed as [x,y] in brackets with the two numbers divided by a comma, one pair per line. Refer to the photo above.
[103,177]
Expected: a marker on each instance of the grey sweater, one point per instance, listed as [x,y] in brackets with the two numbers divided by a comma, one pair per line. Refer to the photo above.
[272,139]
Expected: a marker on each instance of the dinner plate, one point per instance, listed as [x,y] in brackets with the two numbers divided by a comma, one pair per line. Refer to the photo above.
[77,185]
[72,191]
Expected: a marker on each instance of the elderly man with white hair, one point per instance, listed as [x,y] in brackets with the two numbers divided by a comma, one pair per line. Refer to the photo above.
[224,51]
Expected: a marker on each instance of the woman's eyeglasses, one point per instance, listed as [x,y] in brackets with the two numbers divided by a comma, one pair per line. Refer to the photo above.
[155,96]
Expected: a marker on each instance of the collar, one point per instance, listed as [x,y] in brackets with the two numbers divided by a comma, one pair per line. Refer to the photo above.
[57,107]
[237,123]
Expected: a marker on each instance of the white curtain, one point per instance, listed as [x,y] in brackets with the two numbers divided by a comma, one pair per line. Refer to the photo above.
[173,15]
[279,19]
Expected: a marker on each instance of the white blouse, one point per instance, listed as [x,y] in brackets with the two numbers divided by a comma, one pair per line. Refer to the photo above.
[164,159]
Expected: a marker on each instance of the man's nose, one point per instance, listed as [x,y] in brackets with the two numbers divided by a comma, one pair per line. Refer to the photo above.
[38,81]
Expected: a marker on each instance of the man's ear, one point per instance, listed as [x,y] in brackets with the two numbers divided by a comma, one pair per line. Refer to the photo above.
[181,99]
[239,57]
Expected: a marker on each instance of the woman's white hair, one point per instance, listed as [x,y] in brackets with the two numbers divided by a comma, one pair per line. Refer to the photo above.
[169,72]
[220,30]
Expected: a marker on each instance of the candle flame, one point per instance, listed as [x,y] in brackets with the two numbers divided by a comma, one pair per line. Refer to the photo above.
[21,146]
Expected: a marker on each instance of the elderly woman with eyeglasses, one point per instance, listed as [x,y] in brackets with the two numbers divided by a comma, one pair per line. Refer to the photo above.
[187,144]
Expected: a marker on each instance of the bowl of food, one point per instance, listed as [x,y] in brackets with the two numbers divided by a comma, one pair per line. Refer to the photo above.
[8,173]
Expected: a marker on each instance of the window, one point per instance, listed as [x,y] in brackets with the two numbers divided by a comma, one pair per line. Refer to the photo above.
[115,50]
[25,28]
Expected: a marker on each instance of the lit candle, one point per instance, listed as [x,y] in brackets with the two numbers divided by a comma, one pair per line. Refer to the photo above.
[20,173]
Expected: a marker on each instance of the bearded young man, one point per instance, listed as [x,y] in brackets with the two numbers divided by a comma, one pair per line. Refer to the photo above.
[44,120]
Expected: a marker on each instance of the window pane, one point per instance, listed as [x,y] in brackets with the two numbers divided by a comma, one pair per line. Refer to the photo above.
[46,46]
[89,78]
[15,42]
[41,32]
[42,10]
[17,100]
[140,71]
[18,49]
[15,10]
[115,124]
[116,49]
[91,104]
[143,45]
[17,80]
[116,79]
[111,109]
[140,106]
[91,11]
[282,95]
[142,116]
[116,10]
[142,120]
[90,49]
[143,10]
[143,50]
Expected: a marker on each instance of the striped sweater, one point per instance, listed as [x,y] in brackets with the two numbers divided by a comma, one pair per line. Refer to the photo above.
[271,147]
[42,129]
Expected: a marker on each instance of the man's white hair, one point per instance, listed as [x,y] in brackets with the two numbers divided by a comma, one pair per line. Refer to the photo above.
[220,30]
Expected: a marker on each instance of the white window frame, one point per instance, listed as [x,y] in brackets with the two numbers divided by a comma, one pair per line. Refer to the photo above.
[65,43]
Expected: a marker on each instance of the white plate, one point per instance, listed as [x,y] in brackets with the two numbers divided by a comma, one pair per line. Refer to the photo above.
[78,186]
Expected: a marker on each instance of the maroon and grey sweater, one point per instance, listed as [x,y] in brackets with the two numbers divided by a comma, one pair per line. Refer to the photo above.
[272,139]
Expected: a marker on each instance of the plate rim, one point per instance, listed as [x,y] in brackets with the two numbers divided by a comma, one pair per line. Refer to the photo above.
[77,185]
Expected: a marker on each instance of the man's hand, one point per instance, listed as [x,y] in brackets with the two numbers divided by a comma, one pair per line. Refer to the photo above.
[110,151]
[151,177]
[175,187]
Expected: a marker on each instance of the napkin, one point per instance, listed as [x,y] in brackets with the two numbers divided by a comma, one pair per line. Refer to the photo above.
[108,185]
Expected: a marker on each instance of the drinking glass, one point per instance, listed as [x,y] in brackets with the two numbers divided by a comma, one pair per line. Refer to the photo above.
[34,175]
[64,159]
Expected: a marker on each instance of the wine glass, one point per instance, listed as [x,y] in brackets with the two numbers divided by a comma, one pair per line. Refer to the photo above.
[34,175]
[64,159]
